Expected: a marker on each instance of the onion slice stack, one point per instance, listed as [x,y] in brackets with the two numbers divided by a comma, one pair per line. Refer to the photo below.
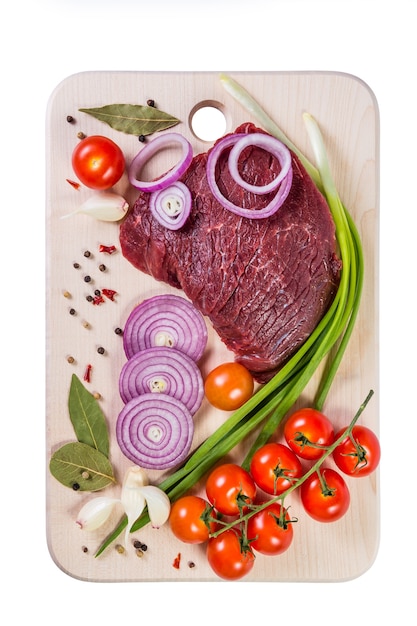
[155,432]
[166,320]
[162,371]
[281,184]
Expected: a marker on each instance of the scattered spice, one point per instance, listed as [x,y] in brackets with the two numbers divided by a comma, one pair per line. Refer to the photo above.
[81,135]
[139,553]
[75,486]
[191,564]
[70,359]
[142,138]
[118,331]
[89,298]
[66,294]
[76,265]
[87,373]
[73,183]
[70,119]
[87,279]
[84,549]
[177,561]
[98,300]
[72,312]
[86,324]
[97,395]
[109,293]
[102,267]
[107,249]
[120,549]
[150,103]
[85,475]
[101,350]
[87,254]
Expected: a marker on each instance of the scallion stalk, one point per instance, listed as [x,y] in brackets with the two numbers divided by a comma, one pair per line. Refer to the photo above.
[270,404]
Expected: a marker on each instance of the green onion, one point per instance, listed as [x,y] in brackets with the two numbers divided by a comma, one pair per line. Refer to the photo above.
[269,405]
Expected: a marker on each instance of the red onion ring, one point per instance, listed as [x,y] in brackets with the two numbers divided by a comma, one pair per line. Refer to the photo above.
[155,432]
[152,148]
[268,143]
[168,316]
[160,201]
[269,209]
[162,371]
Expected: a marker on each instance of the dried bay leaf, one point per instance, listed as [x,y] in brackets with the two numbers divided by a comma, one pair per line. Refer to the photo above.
[87,417]
[133,119]
[79,466]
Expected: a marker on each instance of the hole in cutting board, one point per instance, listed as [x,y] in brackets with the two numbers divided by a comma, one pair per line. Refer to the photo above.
[208,121]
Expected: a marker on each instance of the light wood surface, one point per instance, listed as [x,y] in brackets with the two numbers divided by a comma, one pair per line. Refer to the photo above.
[347,113]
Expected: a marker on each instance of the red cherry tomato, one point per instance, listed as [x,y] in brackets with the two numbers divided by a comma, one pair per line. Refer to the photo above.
[98,162]
[228,386]
[273,466]
[230,488]
[227,558]
[325,500]
[307,431]
[360,458]
[270,530]
[190,519]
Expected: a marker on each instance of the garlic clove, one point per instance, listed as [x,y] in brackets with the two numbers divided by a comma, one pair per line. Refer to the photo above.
[158,503]
[95,512]
[107,206]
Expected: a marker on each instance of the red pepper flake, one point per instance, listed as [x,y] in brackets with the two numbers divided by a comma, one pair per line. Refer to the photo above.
[73,183]
[109,293]
[87,373]
[107,249]
[177,561]
[98,300]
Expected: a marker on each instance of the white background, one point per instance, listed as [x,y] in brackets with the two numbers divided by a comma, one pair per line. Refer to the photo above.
[41,43]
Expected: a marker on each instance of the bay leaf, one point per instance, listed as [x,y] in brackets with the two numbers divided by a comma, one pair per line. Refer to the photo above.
[133,119]
[87,417]
[81,465]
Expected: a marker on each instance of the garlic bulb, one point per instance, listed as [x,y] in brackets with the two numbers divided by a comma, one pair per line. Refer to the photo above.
[107,206]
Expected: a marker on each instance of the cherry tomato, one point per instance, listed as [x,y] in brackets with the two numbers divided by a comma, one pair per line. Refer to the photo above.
[98,162]
[273,466]
[325,501]
[187,519]
[227,558]
[230,488]
[271,530]
[308,426]
[228,386]
[361,458]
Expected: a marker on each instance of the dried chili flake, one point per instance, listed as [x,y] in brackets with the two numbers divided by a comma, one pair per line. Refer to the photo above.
[107,249]
[73,183]
[177,561]
[109,293]
[98,300]
[87,373]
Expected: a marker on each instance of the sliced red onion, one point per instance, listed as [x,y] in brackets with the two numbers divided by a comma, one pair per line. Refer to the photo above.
[162,371]
[150,149]
[171,206]
[155,432]
[272,145]
[166,320]
[270,208]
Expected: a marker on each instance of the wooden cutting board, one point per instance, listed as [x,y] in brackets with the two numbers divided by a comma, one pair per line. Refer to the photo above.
[346,111]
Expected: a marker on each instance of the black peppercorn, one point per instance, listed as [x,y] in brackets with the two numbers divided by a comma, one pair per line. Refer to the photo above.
[101,350]
[118,331]
[75,486]
[102,267]
[72,311]
[142,138]
[87,253]
[87,279]
[70,119]
[77,266]
[89,298]
[97,292]
[150,103]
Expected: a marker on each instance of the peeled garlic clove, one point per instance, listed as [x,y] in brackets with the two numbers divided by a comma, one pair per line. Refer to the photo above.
[158,503]
[104,205]
[95,512]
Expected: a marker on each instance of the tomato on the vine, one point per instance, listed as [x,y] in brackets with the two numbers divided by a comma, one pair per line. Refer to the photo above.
[325,497]
[230,489]
[360,458]
[190,519]
[308,432]
[98,162]
[228,386]
[274,467]
[270,530]
[228,557]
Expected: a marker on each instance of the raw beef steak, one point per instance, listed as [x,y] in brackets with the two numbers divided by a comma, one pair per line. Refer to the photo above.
[263,283]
